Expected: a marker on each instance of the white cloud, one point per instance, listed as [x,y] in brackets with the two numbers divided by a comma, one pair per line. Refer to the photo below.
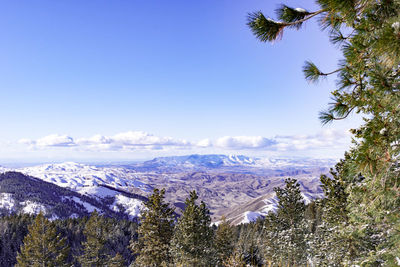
[204,143]
[328,138]
[139,140]
[132,140]
[53,140]
[244,142]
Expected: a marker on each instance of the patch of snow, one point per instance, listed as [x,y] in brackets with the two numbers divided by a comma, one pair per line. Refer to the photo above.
[7,201]
[271,205]
[299,9]
[54,217]
[251,216]
[98,191]
[74,216]
[33,207]
[132,206]
[88,207]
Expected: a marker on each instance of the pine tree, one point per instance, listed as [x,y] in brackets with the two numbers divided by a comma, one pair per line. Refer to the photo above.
[286,230]
[95,231]
[155,232]
[334,221]
[43,246]
[192,243]
[368,34]
[224,240]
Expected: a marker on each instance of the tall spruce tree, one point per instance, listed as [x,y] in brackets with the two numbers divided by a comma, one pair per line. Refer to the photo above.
[43,246]
[287,230]
[368,34]
[193,240]
[155,232]
[328,245]
[95,231]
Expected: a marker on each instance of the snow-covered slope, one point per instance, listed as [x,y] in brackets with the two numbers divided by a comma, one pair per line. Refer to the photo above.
[77,176]
[101,183]
[20,193]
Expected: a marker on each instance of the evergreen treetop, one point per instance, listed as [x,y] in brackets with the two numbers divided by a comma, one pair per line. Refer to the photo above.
[43,246]
[155,232]
[95,232]
[192,243]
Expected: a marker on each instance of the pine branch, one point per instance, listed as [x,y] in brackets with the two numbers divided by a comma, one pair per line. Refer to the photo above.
[328,116]
[288,14]
[309,16]
[267,29]
[337,38]
[313,74]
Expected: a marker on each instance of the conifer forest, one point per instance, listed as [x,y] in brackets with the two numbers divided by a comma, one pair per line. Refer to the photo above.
[357,223]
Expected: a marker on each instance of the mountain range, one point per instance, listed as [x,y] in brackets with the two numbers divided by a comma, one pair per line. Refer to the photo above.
[239,187]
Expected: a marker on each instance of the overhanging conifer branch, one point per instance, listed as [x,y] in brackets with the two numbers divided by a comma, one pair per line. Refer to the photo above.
[313,74]
[267,29]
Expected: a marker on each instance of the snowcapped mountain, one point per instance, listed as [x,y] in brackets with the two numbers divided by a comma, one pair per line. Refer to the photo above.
[231,163]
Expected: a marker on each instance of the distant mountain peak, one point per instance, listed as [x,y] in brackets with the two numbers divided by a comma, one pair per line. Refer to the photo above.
[232,163]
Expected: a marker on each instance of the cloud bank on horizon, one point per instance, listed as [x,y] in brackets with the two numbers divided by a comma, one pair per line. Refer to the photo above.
[139,141]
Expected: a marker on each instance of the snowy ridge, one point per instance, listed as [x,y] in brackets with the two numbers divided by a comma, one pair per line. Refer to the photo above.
[100,183]
[76,176]
[88,180]
[3,170]
[60,202]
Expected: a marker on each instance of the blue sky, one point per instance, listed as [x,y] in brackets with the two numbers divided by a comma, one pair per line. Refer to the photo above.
[113,80]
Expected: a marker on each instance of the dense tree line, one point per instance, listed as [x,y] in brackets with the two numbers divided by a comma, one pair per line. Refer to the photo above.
[160,239]
[297,234]
[33,240]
